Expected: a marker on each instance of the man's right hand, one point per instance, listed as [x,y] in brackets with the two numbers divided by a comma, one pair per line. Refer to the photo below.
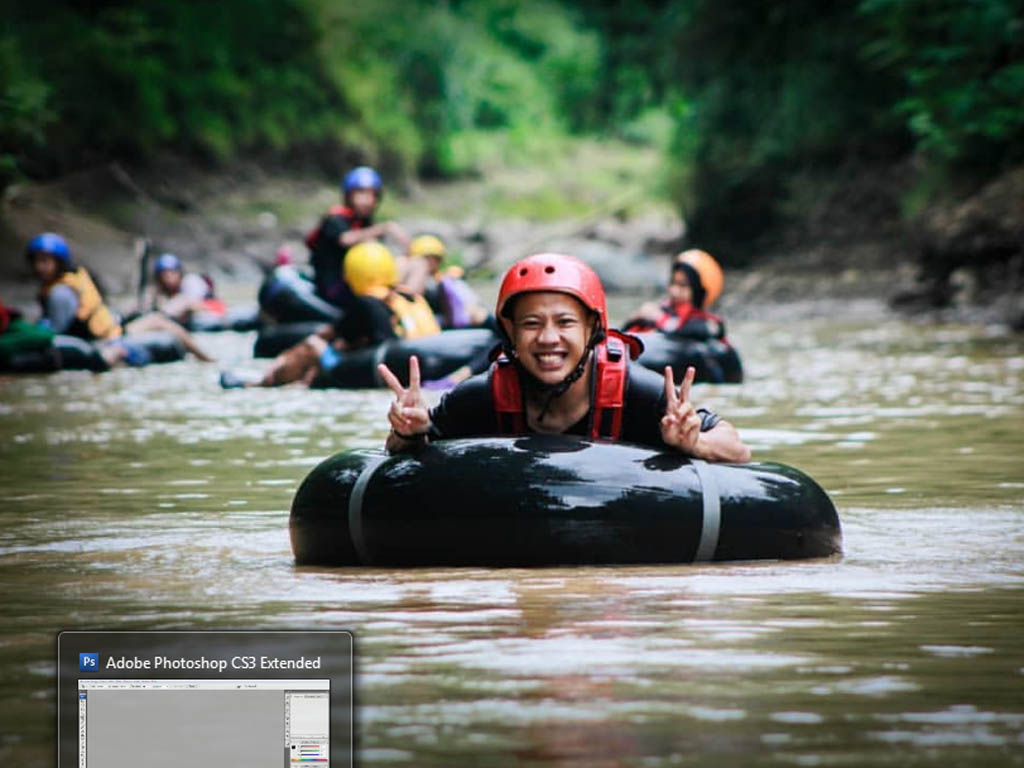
[408,414]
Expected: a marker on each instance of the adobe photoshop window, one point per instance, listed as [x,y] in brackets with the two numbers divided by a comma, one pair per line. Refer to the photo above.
[126,723]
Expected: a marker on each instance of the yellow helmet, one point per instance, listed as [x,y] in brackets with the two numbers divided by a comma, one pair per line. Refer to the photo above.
[427,245]
[370,268]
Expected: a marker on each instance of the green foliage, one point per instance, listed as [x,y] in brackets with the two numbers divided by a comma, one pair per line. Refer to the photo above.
[962,65]
[635,73]
[772,89]
[744,98]
[563,56]
[565,177]
[215,77]
[404,83]
[421,89]
[24,107]
[794,88]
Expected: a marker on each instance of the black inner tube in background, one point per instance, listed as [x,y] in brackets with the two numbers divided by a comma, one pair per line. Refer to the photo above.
[716,361]
[438,356]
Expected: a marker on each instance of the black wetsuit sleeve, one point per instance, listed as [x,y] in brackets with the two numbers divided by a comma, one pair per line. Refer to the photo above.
[332,229]
[645,405]
[432,294]
[366,323]
[466,411]
[327,256]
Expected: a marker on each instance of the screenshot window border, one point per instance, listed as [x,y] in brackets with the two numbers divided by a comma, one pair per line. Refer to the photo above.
[289,688]
[213,656]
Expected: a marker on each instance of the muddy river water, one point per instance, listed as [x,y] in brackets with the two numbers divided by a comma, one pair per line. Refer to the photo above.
[144,499]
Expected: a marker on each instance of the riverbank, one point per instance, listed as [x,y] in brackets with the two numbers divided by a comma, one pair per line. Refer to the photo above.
[229,222]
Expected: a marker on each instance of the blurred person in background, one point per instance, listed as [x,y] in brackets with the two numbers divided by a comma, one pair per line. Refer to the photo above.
[344,226]
[18,336]
[454,302]
[695,282]
[379,311]
[72,305]
[181,295]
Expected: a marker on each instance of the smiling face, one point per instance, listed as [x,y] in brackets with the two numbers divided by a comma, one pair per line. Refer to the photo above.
[550,333]
[679,289]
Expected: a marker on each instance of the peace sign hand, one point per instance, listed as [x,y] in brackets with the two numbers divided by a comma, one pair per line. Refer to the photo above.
[408,413]
[680,426]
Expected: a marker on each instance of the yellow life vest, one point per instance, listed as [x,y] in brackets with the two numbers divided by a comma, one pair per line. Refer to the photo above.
[413,318]
[92,313]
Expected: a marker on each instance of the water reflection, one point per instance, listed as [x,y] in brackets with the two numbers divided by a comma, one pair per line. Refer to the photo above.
[151,499]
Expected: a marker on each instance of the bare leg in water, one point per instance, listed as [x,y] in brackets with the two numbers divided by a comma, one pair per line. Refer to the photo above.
[154,321]
[300,362]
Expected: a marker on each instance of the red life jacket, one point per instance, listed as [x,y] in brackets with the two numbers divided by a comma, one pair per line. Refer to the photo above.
[674,318]
[338,210]
[611,361]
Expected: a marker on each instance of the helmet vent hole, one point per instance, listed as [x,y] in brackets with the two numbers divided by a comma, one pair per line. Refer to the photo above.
[523,271]
[549,269]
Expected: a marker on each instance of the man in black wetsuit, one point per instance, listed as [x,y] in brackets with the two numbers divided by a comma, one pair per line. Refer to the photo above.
[344,226]
[563,370]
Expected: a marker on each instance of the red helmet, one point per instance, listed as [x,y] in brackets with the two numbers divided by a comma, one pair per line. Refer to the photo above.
[553,272]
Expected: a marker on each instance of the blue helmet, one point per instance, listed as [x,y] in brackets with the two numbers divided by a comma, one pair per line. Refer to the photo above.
[362,177]
[55,245]
[166,262]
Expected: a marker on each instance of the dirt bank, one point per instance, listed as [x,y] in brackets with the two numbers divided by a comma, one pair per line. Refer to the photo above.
[231,222]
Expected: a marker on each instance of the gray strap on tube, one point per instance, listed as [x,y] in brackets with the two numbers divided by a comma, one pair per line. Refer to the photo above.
[712,512]
[355,507]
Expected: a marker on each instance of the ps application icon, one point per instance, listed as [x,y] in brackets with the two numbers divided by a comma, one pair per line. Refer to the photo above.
[88,662]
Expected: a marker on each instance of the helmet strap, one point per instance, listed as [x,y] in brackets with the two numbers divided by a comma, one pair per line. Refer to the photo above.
[551,391]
